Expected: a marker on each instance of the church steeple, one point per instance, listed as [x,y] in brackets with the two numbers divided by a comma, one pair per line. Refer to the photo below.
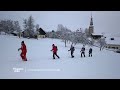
[91,21]
[91,27]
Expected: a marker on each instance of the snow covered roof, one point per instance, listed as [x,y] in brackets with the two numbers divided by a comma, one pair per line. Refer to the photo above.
[115,41]
[15,32]
[90,39]
[3,33]
[96,34]
[42,32]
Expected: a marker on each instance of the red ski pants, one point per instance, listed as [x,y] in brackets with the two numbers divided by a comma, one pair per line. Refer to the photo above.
[23,56]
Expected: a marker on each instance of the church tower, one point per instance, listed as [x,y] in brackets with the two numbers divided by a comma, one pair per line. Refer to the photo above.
[91,27]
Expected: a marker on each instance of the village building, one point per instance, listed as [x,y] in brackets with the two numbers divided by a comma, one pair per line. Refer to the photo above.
[113,43]
[41,33]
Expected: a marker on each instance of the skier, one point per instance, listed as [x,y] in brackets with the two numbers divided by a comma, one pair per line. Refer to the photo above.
[24,51]
[54,49]
[83,51]
[90,52]
[72,49]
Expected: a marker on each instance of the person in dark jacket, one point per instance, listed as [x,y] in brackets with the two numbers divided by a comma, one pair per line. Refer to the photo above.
[90,52]
[24,51]
[54,49]
[83,51]
[72,49]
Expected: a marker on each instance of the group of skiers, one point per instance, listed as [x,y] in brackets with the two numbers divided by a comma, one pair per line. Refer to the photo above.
[72,49]
[54,50]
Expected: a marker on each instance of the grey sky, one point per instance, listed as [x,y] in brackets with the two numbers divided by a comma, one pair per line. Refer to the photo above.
[104,21]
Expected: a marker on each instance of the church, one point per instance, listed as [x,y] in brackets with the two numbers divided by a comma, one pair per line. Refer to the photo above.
[111,43]
[90,31]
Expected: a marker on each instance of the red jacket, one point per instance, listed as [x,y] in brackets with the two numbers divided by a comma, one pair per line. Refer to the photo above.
[54,49]
[23,48]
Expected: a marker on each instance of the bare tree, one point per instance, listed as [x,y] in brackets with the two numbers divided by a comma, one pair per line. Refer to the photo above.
[101,43]
[79,36]
[29,27]
[25,26]
[63,33]
[37,26]
[17,28]
[10,26]
[7,26]
[1,27]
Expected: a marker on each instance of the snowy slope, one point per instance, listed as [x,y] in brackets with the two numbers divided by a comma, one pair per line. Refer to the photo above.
[40,65]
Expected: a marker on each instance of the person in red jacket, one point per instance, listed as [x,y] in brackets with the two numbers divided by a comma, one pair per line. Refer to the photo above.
[54,49]
[24,51]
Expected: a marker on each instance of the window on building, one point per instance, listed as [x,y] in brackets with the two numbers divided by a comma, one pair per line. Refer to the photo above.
[112,38]
[113,47]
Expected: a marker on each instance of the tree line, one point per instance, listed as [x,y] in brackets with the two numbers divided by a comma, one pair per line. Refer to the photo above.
[75,37]
[9,26]
[29,28]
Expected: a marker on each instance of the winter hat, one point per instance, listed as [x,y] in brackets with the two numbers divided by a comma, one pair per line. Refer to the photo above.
[22,42]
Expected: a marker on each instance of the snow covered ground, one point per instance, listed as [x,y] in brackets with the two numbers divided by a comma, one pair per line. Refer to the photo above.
[40,65]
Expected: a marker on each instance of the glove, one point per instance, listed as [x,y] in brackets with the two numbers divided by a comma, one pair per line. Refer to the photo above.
[18,49]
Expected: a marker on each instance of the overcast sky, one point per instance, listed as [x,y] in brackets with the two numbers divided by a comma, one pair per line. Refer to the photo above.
[104,21]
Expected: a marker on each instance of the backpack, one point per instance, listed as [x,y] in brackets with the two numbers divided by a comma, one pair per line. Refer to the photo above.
[83,49]
[90,50]
[73,48]
[56,48]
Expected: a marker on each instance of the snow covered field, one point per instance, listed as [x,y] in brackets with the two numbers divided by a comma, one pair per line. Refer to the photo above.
[40,65]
